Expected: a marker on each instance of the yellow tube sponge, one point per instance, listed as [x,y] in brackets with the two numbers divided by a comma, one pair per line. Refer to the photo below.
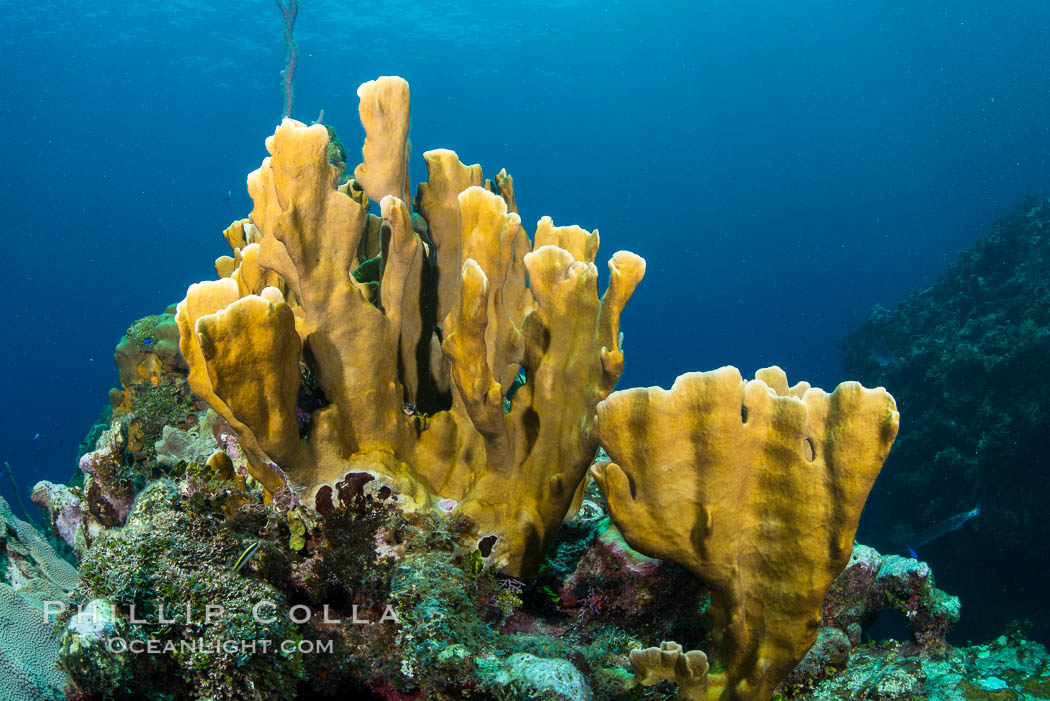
[438,202]
[243,354]
[384,110]
[310,238]
[413,328]
[755,487]
[252,351]
[538,453]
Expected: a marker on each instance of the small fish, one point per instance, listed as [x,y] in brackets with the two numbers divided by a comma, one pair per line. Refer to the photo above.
[517,382]
[945,527]
[147,341]
[911,553]
[229,194]
[35,436]
[247,555]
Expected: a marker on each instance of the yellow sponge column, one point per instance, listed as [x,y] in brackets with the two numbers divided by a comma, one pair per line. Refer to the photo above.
[384,110]
[757,488]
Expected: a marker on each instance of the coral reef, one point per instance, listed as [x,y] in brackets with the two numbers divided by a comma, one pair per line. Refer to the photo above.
[63,506]
[407,612]
[28,651]
[148,351]
[869,585]
[153,428]
[414,343]
[356,465]
[109,485]
[959,357]
[154,393]
[455,300]
[1010,668]
[28,563]
[411,615]
[34,581]
[166,567]
[368,324]
[688,670]
[441,623]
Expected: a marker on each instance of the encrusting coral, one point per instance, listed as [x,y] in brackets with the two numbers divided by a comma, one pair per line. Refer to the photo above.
[148,351]
[149,347]
[757,489]
[413,370]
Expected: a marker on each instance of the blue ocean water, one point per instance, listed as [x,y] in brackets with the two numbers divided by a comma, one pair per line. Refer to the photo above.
[782,166]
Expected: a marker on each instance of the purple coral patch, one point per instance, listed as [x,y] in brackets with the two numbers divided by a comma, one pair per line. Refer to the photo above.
[352,487]
[486,544]
[323,500]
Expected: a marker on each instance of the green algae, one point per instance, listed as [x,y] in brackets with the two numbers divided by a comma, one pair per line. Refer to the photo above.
[165,560]
[160,405]
[144,328]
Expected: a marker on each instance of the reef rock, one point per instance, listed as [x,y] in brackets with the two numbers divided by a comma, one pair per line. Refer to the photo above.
[963,358]
[63,505]
[869,585]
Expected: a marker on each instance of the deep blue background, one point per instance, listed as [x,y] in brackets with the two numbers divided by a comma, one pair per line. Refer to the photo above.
[782,166]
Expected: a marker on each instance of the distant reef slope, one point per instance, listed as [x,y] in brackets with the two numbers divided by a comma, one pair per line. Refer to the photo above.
[967,361]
